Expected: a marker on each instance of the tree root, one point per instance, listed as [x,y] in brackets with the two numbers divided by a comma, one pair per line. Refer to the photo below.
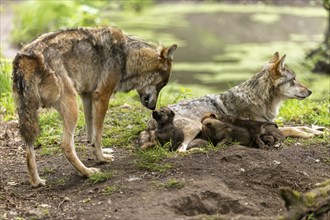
[301,205]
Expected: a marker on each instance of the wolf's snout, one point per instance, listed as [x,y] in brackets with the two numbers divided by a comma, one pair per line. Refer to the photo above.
[156,115]
[307,93]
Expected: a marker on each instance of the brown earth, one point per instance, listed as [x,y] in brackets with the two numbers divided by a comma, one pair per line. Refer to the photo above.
[235,182]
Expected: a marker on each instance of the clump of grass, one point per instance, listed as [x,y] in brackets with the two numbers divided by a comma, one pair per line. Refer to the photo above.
[59,181]
[153,159]
[169,184]
[47,171]
[173,184]
[100,177]
[109,190]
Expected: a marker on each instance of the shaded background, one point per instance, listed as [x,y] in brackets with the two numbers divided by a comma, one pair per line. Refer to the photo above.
[220,43]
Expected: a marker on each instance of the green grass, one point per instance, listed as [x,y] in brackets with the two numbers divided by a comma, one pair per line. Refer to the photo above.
[47,171]
[109,190]
[170,184]
[52,129]
[125,119]
[7,107]
[100,177]
[153,159]
[307,112]
[5,74]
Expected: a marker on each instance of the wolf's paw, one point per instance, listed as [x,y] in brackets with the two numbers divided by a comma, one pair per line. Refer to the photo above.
[38,182]
[182,148]
[315,130]
[105,158]
[90,171]
[103,155]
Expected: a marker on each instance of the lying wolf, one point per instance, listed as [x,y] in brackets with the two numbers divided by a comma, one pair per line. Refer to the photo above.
[93,63]
[258,99]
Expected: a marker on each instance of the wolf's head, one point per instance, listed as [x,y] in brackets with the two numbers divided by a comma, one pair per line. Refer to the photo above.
[284,79]
[148,71]
[163,116]
[160,76]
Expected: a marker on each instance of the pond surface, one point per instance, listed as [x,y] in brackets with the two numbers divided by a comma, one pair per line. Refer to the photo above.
[221,45]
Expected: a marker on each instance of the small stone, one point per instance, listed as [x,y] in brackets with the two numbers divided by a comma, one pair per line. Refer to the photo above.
[275,162]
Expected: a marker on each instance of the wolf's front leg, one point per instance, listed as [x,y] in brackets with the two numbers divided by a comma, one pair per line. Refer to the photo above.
[87,104]
[100,106]
[190,129]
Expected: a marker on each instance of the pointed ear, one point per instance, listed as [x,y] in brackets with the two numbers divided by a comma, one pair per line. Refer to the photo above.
[280,63]
[170,52]
[212,115]
[275,58]
[172,113]
[166,53]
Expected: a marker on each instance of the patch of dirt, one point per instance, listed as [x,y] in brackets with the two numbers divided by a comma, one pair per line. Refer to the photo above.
[236,182]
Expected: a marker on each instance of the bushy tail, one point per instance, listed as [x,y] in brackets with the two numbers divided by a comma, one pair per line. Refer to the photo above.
[26,94]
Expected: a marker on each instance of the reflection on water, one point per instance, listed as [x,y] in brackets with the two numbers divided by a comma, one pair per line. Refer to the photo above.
[222,45]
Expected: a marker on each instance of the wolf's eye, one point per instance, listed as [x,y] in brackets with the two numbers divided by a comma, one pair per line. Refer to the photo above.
[292,82]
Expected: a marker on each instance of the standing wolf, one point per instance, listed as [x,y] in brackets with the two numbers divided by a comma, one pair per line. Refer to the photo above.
[258,98]
[93,63]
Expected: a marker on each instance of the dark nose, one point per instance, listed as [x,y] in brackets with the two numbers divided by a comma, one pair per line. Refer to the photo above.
[152,107]
[309,92]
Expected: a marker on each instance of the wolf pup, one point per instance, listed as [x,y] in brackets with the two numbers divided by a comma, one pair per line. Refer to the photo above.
[267,132]
[166,132]
[228,129]
[93,63]
[258,98]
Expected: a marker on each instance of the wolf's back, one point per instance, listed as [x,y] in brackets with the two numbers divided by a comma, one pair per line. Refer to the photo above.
[28,69]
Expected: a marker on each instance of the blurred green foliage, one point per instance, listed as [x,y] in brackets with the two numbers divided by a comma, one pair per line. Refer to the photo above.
[7,107]
[326,4]
[34,17]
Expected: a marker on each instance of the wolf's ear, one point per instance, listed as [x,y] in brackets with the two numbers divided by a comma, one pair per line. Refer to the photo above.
[275,58]
[170,52]
[212,115]
[280,63]
[172,113]
[167,53]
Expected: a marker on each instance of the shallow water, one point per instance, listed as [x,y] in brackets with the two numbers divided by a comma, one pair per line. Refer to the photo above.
[222,45]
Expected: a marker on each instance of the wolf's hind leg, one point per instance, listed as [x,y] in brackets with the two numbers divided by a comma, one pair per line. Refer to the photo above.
[69,112]
[87,103]
[32,167]
[190,129]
